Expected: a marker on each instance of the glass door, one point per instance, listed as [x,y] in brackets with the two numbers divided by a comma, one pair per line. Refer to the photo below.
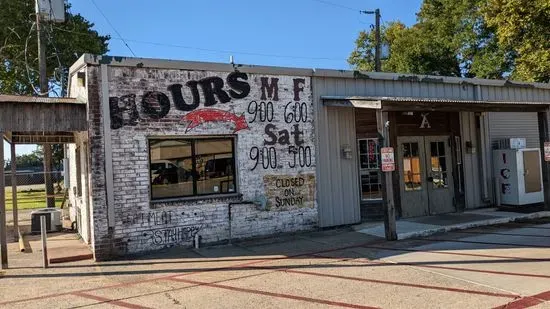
[369,170]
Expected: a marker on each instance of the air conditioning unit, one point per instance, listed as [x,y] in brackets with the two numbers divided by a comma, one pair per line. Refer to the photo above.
[53,220]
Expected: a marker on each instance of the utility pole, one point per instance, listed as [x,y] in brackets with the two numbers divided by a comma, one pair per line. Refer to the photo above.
[50,199]
[378,43]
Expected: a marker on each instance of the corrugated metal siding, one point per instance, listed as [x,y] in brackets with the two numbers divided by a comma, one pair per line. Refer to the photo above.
[470,162]
[337,179]
[507,125]
[338,187]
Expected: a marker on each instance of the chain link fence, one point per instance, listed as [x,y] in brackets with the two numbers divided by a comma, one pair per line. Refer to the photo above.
[33,178]
[31,189]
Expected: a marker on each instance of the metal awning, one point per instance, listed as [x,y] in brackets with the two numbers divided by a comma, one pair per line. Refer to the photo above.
[357,102]
[425,103]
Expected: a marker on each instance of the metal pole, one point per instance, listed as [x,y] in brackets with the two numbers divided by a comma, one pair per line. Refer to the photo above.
[3,227]
[50,200]
[14,193]
[44,241]
[41,56]
[50,197]
[377,51]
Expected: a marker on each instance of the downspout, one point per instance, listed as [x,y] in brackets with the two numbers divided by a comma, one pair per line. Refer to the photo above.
[485,147]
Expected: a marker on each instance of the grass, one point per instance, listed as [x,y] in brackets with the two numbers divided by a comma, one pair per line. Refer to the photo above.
[31,199]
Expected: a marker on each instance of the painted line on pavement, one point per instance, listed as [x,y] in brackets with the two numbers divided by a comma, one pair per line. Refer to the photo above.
[185,273]
[527,226]
[504,234]
[527,302]
[109,301]
[460,254]
[483,243]
[495,272]
[397,283]
[277,295]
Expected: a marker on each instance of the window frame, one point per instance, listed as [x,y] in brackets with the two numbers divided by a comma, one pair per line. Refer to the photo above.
[192,140]
[369,169]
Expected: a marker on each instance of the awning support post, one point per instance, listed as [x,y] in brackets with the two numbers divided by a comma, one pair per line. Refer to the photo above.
[544,137]
[3,226]
[14,192]
[387,181]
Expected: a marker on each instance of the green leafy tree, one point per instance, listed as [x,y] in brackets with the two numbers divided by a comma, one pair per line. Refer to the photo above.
[523,27]
[31,160]
[410,51]
[65,42]
[451,37]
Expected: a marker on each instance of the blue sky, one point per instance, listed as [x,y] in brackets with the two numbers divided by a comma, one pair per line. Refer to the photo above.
[294,33]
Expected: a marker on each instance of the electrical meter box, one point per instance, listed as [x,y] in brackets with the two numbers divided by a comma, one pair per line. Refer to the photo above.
[519,176]
[51,10]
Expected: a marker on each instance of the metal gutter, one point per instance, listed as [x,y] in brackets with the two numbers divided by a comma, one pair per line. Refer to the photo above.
[425,100]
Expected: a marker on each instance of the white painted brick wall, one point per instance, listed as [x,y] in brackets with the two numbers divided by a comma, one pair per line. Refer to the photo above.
[141,224]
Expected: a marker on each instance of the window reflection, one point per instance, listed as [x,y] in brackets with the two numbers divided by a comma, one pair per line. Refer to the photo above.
[189,167]
[411,167]
[438,168]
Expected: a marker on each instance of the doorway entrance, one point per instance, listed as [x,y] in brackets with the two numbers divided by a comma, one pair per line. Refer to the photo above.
[425,173]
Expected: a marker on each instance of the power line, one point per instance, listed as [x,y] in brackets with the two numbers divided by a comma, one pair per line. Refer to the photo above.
[120,36]
[337,5]
[211,50]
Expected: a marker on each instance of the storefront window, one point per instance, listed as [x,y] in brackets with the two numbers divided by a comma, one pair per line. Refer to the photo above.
[371,186]
[191,167]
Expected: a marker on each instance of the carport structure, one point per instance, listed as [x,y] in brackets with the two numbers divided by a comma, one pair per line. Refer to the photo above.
[33,120]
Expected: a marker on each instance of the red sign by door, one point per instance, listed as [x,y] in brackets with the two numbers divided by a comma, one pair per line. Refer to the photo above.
[546,151]
[388,162]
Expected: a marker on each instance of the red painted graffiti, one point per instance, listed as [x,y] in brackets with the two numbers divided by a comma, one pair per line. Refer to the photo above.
[198,117]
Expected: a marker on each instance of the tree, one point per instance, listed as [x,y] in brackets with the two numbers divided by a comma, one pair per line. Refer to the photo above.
[33,160]
[451,37]
[65,42]
[523,26]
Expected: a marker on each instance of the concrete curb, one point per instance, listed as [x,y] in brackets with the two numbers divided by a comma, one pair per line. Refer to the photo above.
[72,258]
[469,225]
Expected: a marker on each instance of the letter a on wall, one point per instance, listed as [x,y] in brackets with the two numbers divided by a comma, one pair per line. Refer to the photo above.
[425,124]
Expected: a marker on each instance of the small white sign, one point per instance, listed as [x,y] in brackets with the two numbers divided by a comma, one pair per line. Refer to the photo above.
[388,161]
[546,151]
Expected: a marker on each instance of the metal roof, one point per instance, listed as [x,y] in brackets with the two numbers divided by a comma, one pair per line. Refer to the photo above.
[273,70]
[28,99]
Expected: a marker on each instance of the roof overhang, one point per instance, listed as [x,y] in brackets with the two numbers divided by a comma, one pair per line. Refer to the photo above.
[431,104]
[41,120]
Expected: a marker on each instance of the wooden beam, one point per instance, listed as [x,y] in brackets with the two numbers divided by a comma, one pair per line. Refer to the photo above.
[544,137]
[39,117]
[14,193]
[42,139]
[459,107]
[390,227]
[3,226]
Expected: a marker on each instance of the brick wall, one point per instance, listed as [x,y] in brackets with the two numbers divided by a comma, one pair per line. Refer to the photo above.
[274,149]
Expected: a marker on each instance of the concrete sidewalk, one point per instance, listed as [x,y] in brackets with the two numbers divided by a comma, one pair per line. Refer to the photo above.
[429,225]
[505,266]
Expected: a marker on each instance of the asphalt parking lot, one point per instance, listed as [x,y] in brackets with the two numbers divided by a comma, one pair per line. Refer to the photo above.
[506,266]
